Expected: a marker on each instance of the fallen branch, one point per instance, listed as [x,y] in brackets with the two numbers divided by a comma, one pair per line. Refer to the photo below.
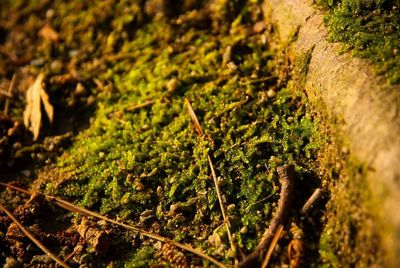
[32,238]
[214,176]
[286,175]
[83,211]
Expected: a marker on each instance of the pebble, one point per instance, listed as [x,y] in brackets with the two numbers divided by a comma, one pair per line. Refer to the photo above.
[139,186]
[56,66]
[26,173]
[80,89]
[271,93]
[38,62]
[73,53]
[90,100]
[50,13]
[172,85]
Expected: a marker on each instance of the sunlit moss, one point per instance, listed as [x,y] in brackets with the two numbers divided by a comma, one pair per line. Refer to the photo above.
[370,29]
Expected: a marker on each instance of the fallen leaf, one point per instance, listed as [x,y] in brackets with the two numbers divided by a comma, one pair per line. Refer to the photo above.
[47,32]
[35,95]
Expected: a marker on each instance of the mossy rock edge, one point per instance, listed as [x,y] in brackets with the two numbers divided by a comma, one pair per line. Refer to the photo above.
[361,110]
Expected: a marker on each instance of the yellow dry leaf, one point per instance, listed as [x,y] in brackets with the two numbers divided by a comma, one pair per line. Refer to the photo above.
[35,95]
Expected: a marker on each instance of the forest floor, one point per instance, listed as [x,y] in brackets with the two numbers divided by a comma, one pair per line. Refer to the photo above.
[172,118]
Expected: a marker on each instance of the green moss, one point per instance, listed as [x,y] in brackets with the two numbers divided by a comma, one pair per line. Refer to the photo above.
[350,237]
[369,29]
[144,257]
[148,165]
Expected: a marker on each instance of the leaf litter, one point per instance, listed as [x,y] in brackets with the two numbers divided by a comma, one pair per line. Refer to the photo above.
[35,96]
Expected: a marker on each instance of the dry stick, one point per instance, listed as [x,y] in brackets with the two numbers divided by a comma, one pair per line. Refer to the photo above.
[286,175]
[32,238]
[272,246]
[314,198]
[214,176]
[73,208]
[10,95]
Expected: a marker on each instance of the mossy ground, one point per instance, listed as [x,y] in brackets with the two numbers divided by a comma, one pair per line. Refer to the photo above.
[146,164]
[369,29]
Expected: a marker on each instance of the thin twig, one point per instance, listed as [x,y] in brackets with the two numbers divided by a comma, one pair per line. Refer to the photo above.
[32,238]
[214,176]
[286,175]
[83,211]
[140,106]
[272,246]
[221,204]
[10,94]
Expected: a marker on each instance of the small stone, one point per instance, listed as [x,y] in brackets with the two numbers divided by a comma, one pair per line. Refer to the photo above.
[73,53]
[290,119]
[139,186]
[26,173]
[271,93]
[80,89]
[38,62]
[396,51]
[56,66]
[173,208]
[172,85]
[50,13]
[159,191]
[17,146]
[90,100]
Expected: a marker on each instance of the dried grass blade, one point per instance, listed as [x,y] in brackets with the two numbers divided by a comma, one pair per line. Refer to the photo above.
[221,204]
[140,106]
[83,211]
[194,118]
[272,246]
[32,238]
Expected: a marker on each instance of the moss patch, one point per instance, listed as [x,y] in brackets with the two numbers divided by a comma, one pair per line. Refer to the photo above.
[370,29]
